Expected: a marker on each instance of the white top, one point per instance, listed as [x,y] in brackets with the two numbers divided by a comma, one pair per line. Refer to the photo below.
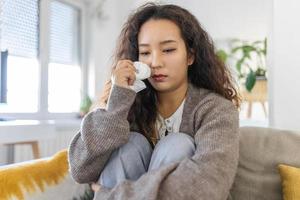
[171,124]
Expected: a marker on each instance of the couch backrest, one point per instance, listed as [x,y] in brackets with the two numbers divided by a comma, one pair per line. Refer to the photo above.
[261,150]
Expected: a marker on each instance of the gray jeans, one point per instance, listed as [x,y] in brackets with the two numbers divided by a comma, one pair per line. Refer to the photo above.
[133,159]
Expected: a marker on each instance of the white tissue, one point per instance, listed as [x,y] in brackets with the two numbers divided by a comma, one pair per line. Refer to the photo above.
[143,71]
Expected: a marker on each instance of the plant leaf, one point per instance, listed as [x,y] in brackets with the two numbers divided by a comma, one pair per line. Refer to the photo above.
[234,50]
[222,55]
[250,81]
[239,64]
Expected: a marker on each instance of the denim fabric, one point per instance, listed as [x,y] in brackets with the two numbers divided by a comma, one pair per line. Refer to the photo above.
[133,159]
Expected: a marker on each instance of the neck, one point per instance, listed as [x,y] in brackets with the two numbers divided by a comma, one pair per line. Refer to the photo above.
[168,102]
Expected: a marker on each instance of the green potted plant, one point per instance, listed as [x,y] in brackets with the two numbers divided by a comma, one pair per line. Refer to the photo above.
[85,105]
[249,60]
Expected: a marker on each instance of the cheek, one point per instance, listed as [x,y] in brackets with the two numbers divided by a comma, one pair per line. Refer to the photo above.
[181,56]
[178,61]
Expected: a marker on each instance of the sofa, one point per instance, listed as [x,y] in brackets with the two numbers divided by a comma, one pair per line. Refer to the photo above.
[258,177]
[266,158]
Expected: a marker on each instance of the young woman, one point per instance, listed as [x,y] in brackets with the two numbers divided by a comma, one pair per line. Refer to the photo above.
[176,139]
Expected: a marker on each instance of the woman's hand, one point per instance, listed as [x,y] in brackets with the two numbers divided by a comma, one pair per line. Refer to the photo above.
[95,187]
[124,73]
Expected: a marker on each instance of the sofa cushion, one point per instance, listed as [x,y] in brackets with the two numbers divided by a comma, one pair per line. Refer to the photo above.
[261,150]
[46,179]
[290,178]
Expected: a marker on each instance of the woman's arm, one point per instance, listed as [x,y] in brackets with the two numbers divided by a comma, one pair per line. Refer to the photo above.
[101,132]
[209,174]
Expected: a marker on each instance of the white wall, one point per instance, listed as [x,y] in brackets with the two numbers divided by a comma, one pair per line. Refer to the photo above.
[103,37]
[285,61]
[247,19]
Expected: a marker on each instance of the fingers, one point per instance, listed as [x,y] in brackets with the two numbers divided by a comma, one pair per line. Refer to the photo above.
[129,74]
[124,73]
[95,187]
[126,64]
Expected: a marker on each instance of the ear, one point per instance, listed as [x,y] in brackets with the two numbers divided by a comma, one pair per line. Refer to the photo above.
[191,57]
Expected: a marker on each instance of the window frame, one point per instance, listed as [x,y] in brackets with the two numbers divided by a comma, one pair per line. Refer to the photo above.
[43,60]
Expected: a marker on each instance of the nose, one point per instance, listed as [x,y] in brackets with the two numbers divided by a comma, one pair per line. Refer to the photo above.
[156,60]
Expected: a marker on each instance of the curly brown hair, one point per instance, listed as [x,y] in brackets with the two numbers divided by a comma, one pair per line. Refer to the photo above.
[207,70]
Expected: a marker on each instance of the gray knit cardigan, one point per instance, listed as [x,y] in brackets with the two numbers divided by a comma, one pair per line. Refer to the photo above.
[209,118]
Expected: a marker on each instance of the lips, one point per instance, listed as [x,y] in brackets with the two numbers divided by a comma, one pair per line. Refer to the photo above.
[159,77]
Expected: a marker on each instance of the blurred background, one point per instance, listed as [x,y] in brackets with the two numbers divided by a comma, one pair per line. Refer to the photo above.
[55,59]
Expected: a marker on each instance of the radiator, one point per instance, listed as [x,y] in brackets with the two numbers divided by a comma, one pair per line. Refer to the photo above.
[46,147]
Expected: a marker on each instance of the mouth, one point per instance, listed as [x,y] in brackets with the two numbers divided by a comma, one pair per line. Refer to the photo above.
[159,77]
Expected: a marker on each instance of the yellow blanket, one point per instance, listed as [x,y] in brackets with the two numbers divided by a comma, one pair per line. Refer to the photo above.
[28,177]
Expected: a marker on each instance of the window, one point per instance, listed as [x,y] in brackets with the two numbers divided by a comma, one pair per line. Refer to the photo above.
[19,37]
[43,41]
[64,71]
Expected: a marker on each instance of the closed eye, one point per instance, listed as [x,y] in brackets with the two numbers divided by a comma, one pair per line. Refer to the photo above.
[144,53]
[169,50]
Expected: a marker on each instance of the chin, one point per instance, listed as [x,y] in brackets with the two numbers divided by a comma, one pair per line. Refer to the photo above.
[162,87]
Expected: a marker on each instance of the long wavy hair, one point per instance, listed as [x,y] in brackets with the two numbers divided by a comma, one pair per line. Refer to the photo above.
[207,70]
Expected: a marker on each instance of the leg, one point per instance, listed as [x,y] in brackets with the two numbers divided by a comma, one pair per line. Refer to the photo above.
[264,107]
[35,149]
[173,148]
[129,161]
[10,155]
[249,112]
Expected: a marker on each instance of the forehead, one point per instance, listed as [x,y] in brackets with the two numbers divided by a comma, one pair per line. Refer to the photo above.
[157,30]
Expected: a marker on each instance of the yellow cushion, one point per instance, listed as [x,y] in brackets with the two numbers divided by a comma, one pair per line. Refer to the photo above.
[290,179]
[28,177]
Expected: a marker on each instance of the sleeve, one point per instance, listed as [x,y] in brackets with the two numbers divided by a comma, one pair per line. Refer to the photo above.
[101,132]
[209,174]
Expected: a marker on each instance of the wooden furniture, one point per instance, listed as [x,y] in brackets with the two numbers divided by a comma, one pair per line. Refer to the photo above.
[258,94]
[34,146]
[25,132]
[30,132]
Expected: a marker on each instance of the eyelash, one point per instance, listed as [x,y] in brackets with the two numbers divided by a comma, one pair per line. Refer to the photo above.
[144,53]
[169,50]
[166,51]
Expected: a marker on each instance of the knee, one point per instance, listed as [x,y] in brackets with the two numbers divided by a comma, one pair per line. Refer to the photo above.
[172,148]
[129,161]
[138,143]
[178,144]
[136,151]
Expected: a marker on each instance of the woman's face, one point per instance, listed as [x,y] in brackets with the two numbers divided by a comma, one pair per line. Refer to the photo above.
[163,49]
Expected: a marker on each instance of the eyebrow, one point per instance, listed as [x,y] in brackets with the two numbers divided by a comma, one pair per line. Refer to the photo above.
[163,42]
